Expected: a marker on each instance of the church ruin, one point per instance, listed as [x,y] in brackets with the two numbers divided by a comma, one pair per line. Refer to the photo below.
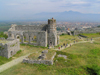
[35,35]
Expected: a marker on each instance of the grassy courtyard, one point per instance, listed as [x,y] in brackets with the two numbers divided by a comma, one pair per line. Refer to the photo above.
[82,59]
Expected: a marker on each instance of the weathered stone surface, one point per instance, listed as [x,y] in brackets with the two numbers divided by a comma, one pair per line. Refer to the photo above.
[35,35]
[64,56]
[9,49]
[45,51]
[40,61]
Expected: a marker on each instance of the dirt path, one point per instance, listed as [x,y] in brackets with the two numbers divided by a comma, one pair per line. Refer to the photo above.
[73,43]
[12,63]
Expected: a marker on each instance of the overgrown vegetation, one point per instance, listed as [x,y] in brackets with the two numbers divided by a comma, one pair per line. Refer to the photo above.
[93,69]
[2,35]
[33,46]
[19,51]
[91,35]
[82,59]
[3,60]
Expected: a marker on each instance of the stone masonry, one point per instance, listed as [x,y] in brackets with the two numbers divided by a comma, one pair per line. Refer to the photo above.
[35,35]
[10,48]
[41,59]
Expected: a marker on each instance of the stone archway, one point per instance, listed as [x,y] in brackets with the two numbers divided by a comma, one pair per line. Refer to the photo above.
[50,43]
[19,37]
[11,53]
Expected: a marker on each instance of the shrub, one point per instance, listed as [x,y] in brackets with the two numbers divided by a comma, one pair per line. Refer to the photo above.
[95,51]
[62,34]
[33,46]
[2,35]
[60,59]
[42,67]
[19,51]
[93,69]
[60,52]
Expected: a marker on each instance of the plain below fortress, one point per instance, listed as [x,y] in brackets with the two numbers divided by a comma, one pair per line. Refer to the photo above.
[42,35]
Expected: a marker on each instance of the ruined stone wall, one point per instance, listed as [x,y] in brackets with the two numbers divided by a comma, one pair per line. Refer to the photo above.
[3,50]
[13,34]
[30,28]
[9,49]
[35,38]
[45,34]
[52,39]
[13,47]
[46,62]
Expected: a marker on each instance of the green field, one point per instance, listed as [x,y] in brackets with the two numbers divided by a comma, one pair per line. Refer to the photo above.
[82,59]
[91,35]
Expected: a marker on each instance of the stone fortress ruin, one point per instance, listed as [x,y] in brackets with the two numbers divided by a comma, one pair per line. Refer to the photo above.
[35,35]
[28,34]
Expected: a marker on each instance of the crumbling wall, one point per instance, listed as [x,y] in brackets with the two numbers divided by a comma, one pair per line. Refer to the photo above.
[30,28]
[13,47]
[40,61]
[9,49]
[46,34]
[36,38]
[3,50]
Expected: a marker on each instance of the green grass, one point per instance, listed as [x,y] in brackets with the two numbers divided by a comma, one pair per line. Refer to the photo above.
[68,39]
[4,60]
[82,59]
[91,35]
[25,49]
[35,56]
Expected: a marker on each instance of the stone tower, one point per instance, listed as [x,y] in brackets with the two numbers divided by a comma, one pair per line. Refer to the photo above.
[52,33]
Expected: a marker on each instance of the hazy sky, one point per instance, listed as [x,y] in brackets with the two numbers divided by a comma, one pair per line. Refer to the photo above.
[11,8]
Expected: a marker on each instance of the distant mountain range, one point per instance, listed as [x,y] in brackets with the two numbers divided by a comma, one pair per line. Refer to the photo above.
[72,16]
[67,16]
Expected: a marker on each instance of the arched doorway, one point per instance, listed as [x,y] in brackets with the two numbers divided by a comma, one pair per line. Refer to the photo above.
[18,37]
[50,43]
[11,53]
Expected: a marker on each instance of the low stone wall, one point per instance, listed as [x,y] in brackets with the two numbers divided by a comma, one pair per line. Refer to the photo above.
[83,36]
[9,39]
[2,38]
[46,62]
